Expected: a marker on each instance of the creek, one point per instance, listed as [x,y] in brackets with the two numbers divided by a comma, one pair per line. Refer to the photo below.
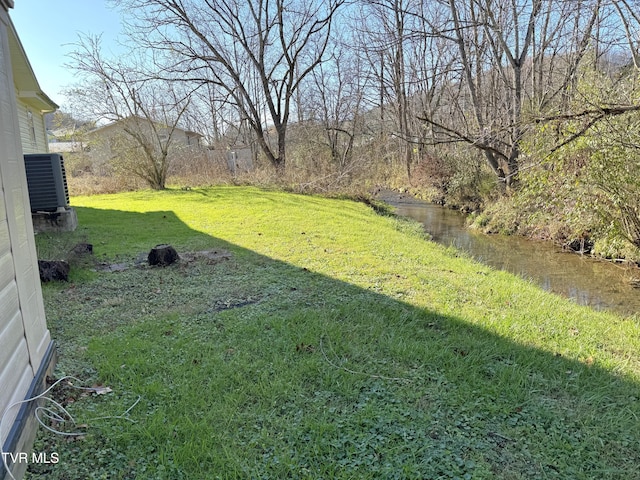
[599,284]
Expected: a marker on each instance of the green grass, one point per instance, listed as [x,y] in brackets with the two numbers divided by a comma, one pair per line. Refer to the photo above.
[334,343]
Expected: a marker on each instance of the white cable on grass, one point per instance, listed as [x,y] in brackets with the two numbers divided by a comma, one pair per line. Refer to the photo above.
[4,414]
[124,414]
[354,372]
[54,415]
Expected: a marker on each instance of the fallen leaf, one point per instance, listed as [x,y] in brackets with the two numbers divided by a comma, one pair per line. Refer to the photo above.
[99,390]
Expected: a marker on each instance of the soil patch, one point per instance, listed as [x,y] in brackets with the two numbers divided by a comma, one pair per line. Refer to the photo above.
[209,256]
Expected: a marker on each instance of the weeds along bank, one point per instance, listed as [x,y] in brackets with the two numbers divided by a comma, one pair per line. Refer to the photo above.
[585,197]
[310,167]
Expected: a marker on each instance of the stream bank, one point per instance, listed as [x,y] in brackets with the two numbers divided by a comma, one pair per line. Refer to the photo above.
[599,284]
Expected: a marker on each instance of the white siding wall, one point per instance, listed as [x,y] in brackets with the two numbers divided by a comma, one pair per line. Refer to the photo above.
[42,140]
[24,337]
[33,133]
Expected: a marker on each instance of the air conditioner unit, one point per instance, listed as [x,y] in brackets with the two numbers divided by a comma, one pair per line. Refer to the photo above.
[47,182]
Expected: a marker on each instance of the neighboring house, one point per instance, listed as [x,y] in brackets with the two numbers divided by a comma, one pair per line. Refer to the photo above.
[66,147]
[103,140]
[67,140]
[241,151]
[26,349]
[239,158]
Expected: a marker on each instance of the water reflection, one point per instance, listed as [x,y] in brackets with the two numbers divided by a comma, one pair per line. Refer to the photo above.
[601,285]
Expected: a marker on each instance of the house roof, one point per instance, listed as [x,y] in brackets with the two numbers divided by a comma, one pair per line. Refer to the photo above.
[27,88]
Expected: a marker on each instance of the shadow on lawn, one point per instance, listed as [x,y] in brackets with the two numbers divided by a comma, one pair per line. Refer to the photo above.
[338,381]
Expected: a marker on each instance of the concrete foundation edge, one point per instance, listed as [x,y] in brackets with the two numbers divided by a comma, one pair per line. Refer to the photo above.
[61,221]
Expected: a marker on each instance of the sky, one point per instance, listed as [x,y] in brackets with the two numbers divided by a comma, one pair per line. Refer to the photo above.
[47,28]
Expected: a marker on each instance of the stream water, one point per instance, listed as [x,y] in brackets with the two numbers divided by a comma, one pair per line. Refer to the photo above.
[601,285]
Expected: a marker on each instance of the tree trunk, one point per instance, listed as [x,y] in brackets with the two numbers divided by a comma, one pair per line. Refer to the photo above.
[280,161]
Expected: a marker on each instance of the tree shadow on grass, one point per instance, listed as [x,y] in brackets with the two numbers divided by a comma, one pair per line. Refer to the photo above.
[255,368]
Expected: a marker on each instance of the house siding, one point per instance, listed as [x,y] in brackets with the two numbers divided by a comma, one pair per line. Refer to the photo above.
[27,134]
[24,337]
[33,134]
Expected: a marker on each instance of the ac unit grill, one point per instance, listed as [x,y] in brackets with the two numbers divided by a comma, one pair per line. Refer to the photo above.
[47,181]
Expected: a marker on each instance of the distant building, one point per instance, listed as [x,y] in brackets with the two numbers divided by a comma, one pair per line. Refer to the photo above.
[66,147]
[65,140]
[241,151]
[102,141]
[239,158]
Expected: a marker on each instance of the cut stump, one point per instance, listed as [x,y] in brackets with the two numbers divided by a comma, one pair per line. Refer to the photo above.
[53,270]
[162,255]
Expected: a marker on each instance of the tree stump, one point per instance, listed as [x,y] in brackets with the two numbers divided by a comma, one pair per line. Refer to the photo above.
[162,255]
[53,270]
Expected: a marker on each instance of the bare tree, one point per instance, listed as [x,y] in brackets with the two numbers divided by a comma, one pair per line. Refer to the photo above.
[385,42]
[258,51]
[407,62]
[149,109]
[630,20]
[208,113]
[337,103]
[513,56]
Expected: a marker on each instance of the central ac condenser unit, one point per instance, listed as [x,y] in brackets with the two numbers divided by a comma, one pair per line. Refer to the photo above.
[47,182]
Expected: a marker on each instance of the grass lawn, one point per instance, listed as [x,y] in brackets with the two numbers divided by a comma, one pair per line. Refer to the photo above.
[328,342]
